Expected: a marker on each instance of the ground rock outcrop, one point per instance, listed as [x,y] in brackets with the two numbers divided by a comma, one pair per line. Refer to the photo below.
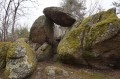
[55,71]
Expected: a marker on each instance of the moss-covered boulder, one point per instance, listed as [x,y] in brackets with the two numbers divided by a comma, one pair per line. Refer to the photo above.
[20,60]
[4,46]
[94,42]
[42,31]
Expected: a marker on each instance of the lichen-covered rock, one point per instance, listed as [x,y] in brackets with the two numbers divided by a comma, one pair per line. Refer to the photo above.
[20,60]
[42,31]
[55,71]
[44,52]
[95,40]
[4,46]
[59,16]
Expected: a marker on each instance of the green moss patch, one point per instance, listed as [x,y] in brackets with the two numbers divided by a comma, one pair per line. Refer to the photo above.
[4,46]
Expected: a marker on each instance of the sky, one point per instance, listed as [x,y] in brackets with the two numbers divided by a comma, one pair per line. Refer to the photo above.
[38,11]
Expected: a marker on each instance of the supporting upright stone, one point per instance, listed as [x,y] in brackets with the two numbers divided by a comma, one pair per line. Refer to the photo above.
[42,31]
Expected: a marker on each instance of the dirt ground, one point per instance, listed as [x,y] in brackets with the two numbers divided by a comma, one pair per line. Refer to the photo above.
[74,72]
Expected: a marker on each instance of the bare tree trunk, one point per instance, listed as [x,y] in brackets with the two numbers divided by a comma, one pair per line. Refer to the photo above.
[5,21]
[4,32]
[1,36]
[13,29]
[14,19]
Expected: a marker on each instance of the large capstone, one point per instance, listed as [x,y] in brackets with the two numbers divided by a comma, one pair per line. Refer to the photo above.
[59,16]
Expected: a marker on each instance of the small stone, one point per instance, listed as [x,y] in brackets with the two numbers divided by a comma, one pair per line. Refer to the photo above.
[44,52]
